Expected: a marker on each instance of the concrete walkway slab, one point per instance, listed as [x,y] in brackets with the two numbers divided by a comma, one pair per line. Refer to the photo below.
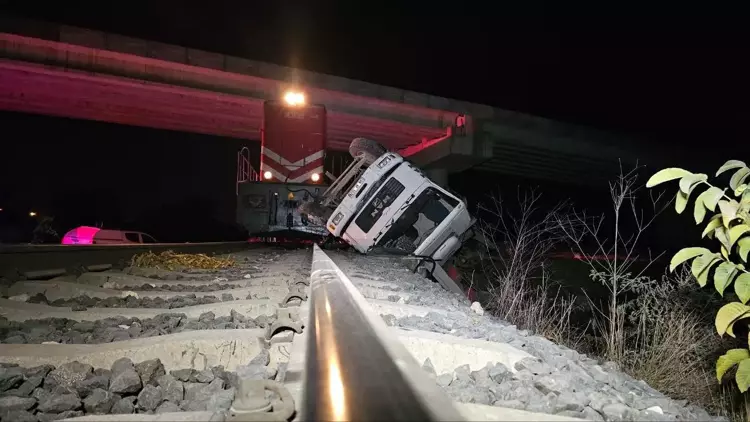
[193,349]
[121,279]
[100,278]
[54,290]
[376,284]
[449,352]
[480,412]
[21,311]
[381,294]
[384,307]
[142,417]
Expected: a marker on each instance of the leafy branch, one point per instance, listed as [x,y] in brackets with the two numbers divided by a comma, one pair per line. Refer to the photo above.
[730,226]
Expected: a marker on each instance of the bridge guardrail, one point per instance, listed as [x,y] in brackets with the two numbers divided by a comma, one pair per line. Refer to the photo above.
[34,261]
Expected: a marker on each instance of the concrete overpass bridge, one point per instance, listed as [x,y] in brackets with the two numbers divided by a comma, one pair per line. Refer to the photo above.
[79,73]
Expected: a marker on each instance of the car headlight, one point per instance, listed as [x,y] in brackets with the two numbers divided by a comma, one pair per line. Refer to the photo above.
[337,218]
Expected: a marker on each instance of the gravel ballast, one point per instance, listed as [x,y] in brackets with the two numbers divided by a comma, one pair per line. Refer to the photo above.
[557,380]
[181,287]
[46,393]
[82,303]
[67,331]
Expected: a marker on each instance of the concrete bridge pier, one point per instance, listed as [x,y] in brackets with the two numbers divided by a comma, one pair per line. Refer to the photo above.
[451,153]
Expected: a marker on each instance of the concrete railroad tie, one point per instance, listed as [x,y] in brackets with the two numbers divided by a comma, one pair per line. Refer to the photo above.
[212,349]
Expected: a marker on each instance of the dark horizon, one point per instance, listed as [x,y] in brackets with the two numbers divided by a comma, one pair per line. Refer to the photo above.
[670,76]
[127,177]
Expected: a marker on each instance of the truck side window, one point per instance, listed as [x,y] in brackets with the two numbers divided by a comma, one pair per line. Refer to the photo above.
[133,237]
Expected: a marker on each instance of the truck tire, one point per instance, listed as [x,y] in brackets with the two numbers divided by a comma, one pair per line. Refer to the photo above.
[366,146]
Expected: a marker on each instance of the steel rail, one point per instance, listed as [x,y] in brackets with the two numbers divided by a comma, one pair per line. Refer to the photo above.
[355,368]
[35,261]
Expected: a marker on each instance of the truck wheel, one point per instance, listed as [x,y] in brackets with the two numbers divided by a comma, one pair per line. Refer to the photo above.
[366,146]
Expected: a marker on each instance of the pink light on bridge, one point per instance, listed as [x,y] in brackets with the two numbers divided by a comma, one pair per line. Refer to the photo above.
[83,235]
[80,55]
[37,89]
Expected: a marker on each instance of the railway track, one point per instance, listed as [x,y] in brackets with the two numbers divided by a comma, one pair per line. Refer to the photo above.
[284,335]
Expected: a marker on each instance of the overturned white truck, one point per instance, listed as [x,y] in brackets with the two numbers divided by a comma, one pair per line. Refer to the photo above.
[383,202]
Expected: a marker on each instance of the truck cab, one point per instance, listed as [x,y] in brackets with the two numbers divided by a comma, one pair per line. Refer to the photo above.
[393,205]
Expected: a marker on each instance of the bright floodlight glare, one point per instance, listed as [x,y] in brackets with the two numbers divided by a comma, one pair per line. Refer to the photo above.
[315,177]
[267,175]
[294,98]
[32,214]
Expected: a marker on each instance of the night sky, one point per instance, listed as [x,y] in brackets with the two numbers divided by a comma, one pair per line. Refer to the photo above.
[677,77]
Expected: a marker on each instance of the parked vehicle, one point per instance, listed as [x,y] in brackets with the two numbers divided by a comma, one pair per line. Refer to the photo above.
[86,235]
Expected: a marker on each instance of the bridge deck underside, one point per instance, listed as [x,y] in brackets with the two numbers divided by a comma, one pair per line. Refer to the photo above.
[35,88]
[552,165]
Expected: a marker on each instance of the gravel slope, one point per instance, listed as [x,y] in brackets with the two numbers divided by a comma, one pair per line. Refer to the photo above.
[557,380]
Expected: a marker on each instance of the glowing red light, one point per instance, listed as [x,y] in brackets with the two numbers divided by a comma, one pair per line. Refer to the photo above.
[83,235]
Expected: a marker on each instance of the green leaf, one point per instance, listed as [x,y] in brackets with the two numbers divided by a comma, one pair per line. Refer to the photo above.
[702,266]
[723,238]
[738,177]
[712,225]
[685,255]
[728,314]
[729,165]
[736,232]
[744,247]
[728,360]
[723,276]
[745,197]
[680,202]
[711,197]
[666,175]
[743,375]
[689,182]
[728,211]
[699,211]
[742,287]
[707,199]
[741,188]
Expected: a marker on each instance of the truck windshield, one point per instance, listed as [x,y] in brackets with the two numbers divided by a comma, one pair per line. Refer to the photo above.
[423,215]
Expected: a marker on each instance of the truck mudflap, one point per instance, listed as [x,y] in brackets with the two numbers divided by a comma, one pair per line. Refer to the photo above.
[439,274]
[426,266]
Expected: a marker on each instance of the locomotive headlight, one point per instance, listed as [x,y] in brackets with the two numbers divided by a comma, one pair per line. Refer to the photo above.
[315,177]
[267,175]
[337,218]
[294,98]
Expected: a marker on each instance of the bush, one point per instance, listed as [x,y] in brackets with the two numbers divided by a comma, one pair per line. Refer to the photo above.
[730,226]
[669,338]
[655,329]
[515,263]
